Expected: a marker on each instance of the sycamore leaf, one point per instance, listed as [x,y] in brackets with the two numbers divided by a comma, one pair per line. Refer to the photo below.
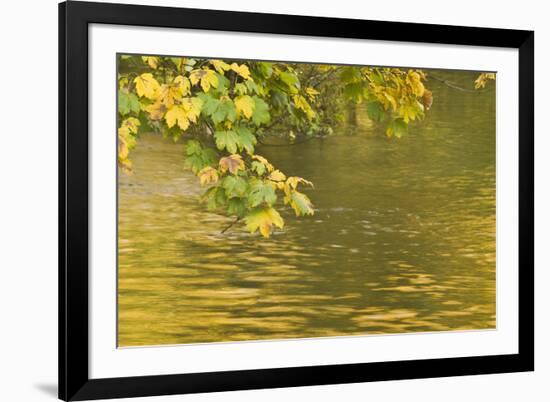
[291,80]
[127,102]
[234,186]
[208,175]
[207,78]
[132,124]
[277,175]
[260,192]
[247,140]
[228,140]
[261,112]
[263,219]
[156,110]
[258,167]
[232,163]
[242,70]
[184,114]
[236,206]
[375,111]
[397,127]
[300,203]
[302,104]
[245,106]
[151,60]
[311,92]
[427,99]
[147,86]
[177,114]
[415,81]
[220,66]
[264,162]
[293,181]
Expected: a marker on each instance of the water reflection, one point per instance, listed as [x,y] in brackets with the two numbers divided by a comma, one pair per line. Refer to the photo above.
[403,238]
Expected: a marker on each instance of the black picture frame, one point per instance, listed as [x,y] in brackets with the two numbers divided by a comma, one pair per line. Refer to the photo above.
[74,381]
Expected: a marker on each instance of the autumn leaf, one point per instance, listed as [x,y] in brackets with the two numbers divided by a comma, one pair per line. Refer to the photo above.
[147,86]
[207,78]
[293,181]
[208,175]
[301,103]
[242,70]
[277,175]
[264,162]
[414,80]
[220,66]
[263,219]
[177,114]
[244,105]
[152,61]
[232,163]
[156,110]
[312,92]
[300,203]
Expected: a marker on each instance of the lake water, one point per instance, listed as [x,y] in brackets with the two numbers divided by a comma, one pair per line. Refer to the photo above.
[402,240]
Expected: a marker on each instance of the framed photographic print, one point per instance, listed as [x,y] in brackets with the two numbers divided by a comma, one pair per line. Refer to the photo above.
[257,201]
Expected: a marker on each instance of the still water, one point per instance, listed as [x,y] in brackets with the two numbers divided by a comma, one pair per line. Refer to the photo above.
[403,238]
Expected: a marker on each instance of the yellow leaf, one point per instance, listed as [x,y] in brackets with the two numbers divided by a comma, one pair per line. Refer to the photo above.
[245,106]
[293,182]
[183,84]
[277,175]
[264,162]
[220,66]
[312,93]
[147,85]
[302,104]
[242,70]
[152,61]
[263,219]
[208,175]
[131,124]
[233,163]
[414,80]
[207,78]
[156,110]
[177,114]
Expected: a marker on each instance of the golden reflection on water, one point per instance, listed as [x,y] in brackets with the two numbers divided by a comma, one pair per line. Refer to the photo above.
[403,240]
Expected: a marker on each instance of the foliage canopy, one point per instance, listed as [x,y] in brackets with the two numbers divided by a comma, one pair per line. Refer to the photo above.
[224,108]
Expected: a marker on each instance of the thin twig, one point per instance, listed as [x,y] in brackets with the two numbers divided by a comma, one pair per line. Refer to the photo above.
[230,225]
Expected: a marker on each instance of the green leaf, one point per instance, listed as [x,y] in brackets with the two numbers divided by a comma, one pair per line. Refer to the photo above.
[265,68]
[193,147]
[301,203]
[375,111]
[258,167]
[228,140]
[290,79]
[127,102]
[397,127]
[236,206]
[247,140]
[234,186]
[261,192]
[261,112]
